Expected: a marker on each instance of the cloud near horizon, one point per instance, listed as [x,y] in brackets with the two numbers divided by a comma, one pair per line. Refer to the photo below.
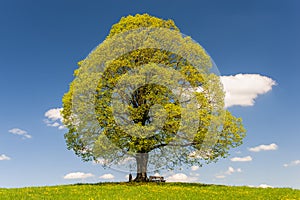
[17,131]
[243,89]
[263,147]
[78,175]
[263,185]
[181,177]
[107,176]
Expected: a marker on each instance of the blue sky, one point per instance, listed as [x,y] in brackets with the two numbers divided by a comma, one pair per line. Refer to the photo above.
[41,42]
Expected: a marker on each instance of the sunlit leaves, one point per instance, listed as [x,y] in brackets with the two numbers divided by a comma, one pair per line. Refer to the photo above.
[148,89]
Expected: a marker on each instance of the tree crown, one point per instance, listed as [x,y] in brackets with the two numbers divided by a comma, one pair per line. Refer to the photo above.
[149,89]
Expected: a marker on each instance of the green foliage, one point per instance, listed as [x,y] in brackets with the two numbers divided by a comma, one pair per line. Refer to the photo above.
[137,21]
[178,90]
[148,191]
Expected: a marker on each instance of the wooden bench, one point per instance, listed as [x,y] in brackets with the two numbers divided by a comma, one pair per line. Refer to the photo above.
[157,179]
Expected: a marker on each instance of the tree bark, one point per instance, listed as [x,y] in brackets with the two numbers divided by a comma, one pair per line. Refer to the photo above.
[141,163]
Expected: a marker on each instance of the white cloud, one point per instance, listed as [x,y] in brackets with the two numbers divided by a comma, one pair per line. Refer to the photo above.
[17,131]
[180,177]
[55,124]
[4,157]
[229,171]
[250,185]
[107,176]
[292,163]
[78,175]
[239,170]
[263,147]
[220,176]
[265,186]
[241,159]
[261,186]
[54,114]
[194,168]
[243,89]
[54,118]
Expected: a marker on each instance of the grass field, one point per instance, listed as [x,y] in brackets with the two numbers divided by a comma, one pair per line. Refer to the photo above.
[148,191]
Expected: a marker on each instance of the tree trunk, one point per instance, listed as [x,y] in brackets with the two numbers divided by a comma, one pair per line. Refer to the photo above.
[141,163]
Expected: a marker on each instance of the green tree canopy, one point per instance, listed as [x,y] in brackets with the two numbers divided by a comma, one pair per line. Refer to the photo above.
[148,93]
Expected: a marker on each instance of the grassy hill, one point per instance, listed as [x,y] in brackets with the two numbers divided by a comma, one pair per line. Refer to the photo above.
[147,191]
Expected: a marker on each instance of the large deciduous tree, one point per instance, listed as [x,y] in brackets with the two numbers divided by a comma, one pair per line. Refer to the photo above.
[150,93]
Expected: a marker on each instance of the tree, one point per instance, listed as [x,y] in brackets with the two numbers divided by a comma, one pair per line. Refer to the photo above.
[150,93]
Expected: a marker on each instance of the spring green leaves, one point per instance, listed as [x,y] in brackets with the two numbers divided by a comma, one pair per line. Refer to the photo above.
[147,89]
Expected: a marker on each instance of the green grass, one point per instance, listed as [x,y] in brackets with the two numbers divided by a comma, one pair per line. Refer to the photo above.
[142,191]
